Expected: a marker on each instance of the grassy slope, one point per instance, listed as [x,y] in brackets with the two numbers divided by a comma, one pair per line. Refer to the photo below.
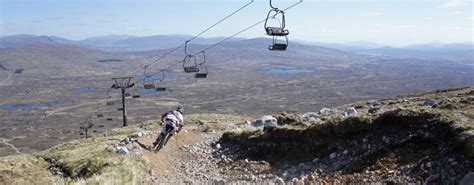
[80,158]
[87,161]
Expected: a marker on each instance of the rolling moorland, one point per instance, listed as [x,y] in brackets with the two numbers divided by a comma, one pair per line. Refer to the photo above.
[49,87]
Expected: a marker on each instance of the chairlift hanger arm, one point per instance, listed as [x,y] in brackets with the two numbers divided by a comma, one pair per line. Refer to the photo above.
[186,48]
[271,5]
[203,58]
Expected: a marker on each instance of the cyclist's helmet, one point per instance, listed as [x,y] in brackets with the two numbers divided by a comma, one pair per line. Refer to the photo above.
[180,110]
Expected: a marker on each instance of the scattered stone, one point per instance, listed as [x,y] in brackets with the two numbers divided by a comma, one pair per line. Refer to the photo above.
[374,110]
[201,122]
[365,140]
[325,111]
[279,180]
[350,111]
[121,150]
[429,102]
[333,155]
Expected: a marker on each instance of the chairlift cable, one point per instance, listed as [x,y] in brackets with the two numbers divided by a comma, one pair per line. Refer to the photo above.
[222,20]
[204,31]
[246,29]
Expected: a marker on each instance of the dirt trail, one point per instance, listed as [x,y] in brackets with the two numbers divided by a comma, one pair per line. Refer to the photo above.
[5,142]
[171,164]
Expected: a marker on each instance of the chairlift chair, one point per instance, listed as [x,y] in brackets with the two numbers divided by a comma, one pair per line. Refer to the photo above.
[190,64]
[278,46]
[274,30]
[147,83]
[109,100]
[135,92]
[109,119]
[160,87]
[202,73]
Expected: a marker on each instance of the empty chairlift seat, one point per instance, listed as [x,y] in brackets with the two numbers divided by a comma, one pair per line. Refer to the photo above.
[278,46]
[275,26]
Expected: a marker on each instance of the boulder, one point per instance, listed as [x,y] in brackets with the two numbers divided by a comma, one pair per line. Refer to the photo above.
[350,111]
[467,138]
[325,111]
[287,119]
[468,179]
[429,102]
[374,110]
[121,150]
[312,115]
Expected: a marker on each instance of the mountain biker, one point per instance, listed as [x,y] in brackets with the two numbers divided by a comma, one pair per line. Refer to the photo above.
[173,122]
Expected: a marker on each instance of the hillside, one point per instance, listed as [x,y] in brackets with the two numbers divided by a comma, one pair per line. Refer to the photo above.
[47,87]
[417,138]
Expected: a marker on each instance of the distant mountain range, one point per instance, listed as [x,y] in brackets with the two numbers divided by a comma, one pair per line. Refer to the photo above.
[461,52]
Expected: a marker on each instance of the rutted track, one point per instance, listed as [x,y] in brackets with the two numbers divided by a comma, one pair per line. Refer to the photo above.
[5,142]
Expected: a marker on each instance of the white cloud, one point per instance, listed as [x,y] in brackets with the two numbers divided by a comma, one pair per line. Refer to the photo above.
[453,4]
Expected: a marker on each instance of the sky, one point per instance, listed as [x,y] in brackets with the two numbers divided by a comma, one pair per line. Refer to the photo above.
[393,22]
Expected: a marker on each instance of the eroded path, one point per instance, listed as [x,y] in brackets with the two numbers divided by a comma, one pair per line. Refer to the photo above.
[5,142]
[186,158]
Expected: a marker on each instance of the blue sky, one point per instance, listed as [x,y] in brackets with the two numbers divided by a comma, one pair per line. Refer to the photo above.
[395,22]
